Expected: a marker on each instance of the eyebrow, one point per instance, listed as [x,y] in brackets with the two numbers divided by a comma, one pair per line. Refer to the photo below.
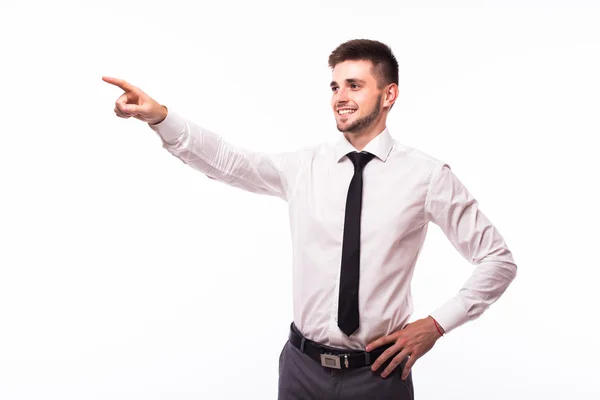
[349,81]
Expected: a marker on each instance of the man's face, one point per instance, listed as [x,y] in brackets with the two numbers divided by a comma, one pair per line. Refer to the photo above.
[356,100]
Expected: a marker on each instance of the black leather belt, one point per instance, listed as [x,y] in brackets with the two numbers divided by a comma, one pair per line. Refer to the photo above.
[331,357]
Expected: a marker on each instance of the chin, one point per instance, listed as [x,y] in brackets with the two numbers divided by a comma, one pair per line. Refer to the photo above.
[341,126]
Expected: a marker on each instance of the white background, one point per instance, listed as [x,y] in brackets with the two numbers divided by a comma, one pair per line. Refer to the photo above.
[125,274]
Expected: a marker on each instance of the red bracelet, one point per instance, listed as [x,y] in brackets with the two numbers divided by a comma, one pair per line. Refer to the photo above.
[436,326]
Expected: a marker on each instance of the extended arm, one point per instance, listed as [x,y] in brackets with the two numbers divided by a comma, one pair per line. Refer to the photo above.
[206,151]
[209,153]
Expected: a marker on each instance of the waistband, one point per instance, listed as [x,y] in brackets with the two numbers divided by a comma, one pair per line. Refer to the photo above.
[331,357]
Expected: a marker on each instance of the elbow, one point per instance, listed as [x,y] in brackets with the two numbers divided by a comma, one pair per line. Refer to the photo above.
[509,267]
[507,271]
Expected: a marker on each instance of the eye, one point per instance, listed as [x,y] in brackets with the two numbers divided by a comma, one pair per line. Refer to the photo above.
[334,88]
[354,86]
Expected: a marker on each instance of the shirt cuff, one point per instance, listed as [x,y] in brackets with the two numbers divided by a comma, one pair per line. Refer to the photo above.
[171,128]
[451,315]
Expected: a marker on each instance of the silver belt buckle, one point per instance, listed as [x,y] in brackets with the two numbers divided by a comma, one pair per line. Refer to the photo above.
[331,361]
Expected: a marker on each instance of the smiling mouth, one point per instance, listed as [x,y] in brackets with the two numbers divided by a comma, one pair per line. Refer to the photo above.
[346,111]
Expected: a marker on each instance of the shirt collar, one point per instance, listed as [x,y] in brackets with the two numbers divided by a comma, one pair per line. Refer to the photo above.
[380,146]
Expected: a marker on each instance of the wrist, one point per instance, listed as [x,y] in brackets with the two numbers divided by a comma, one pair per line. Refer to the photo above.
[161,118]
[438,327]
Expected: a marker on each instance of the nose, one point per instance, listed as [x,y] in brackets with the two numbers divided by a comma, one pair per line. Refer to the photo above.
[341,95]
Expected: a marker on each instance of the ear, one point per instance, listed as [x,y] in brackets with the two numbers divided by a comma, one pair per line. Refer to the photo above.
[391,95]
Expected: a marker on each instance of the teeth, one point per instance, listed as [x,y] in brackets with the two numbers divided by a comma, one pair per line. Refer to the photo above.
[342,112]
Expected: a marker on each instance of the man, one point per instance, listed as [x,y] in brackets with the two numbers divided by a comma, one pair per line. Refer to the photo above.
[359,212]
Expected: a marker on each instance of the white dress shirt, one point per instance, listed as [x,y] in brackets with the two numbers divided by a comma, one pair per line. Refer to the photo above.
[403,190]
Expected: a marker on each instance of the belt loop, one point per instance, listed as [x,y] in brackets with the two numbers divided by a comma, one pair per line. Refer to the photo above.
[302,344]
[367,358]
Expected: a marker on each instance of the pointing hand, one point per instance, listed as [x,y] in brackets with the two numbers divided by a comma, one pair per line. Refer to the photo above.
[137,104]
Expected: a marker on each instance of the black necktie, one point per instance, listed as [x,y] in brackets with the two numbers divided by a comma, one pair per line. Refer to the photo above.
[350,273]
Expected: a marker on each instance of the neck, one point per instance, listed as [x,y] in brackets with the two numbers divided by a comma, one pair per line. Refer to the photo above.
[360,139]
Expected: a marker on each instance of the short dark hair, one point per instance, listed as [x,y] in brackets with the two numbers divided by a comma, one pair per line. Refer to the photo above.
[385,65]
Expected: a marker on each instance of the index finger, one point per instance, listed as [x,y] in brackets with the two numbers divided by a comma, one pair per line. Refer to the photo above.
[119,82]
[380,342]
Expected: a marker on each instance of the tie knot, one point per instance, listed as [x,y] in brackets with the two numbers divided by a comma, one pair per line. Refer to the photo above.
[360,159]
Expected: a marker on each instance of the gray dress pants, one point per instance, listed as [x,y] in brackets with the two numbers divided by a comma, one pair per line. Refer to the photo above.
[302,378]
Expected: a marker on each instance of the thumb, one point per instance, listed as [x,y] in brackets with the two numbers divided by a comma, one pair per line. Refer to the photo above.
[131,109]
